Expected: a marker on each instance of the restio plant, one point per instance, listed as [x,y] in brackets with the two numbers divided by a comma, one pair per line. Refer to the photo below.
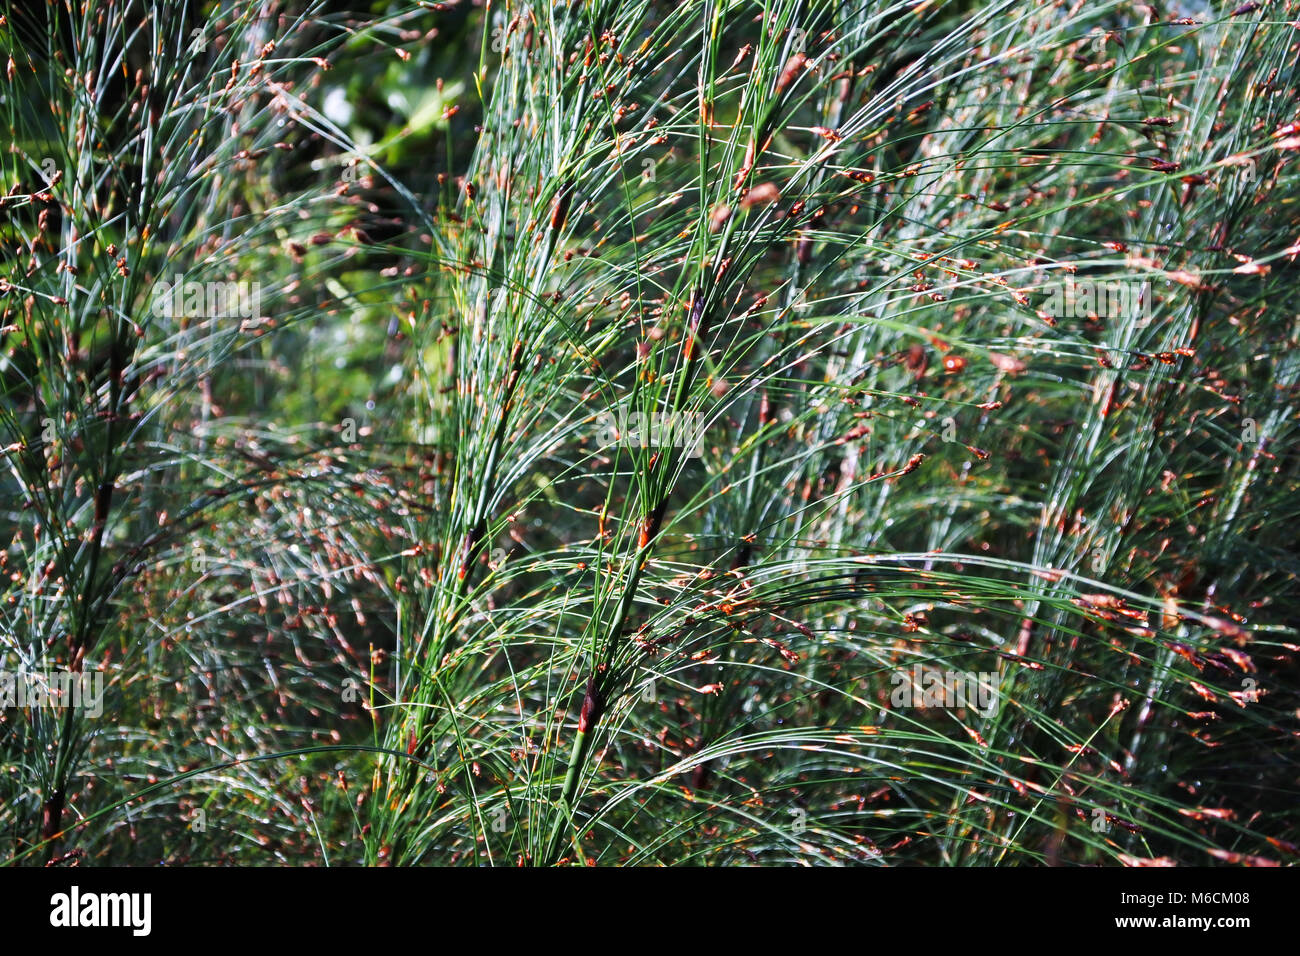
[649,433]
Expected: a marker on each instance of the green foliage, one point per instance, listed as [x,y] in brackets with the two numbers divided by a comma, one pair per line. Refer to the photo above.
[639,398]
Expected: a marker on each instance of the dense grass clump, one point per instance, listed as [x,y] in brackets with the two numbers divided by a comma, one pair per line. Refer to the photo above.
[650,433]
